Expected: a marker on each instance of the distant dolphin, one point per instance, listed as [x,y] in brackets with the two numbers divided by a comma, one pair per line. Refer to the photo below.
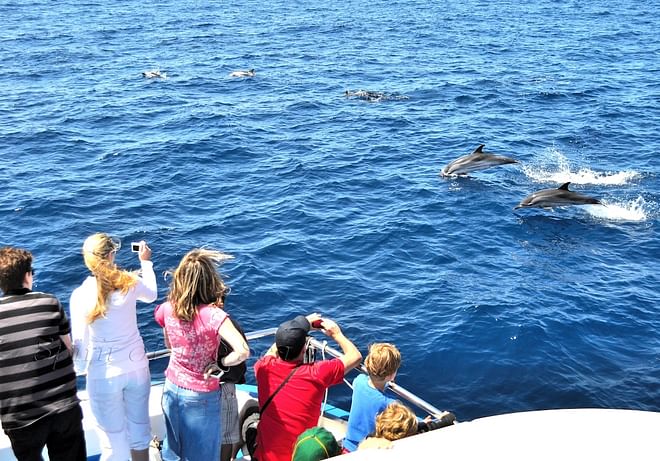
[365,94]
[243,73]
[154,74]
[373,96]
[477,160]
[548,198]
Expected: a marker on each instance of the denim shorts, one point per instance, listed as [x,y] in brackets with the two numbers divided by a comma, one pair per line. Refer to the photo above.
[192,422]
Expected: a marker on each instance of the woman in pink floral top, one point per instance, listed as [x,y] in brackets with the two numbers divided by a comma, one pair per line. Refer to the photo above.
[193,323]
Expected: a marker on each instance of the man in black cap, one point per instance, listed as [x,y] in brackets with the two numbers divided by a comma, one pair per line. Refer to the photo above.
[297,404]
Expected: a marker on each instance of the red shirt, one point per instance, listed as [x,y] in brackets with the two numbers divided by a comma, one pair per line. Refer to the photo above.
[296,407]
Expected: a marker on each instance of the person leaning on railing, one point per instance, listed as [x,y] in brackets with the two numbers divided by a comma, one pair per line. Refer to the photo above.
[297,404]
[369,399]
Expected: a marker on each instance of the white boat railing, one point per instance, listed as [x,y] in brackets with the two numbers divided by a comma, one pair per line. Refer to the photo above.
[322,346]
[395,388]
[250,336]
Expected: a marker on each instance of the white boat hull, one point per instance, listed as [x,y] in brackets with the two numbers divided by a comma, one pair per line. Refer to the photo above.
[557,435]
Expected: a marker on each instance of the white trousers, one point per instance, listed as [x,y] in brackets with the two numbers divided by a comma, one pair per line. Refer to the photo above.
[121,407]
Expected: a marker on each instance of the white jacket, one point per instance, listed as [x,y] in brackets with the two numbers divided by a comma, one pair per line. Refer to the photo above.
[111,345]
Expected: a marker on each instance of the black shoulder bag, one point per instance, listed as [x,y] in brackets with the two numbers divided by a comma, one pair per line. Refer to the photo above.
[251,423]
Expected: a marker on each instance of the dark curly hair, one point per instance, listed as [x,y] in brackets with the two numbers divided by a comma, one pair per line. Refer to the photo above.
[14,264]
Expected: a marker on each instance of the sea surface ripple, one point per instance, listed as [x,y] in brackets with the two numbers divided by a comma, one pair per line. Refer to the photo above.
[334,204]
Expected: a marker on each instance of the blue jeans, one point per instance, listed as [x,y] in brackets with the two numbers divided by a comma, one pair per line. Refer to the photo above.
[192,420]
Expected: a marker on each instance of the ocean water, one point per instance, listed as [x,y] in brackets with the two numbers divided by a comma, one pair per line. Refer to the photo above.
[334,204]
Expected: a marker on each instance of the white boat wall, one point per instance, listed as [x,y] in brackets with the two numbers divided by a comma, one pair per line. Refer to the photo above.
[552,435]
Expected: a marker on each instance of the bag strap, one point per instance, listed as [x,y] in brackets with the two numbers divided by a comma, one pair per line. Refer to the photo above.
[278,389]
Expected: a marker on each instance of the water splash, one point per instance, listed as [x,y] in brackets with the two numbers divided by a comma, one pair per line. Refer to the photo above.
[554,167]
[632,210]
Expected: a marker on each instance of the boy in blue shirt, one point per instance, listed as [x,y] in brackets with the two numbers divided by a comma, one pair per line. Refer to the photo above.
[382,364]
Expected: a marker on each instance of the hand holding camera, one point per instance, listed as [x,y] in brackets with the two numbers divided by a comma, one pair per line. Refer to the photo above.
[330,328]
[326,325]
[142,249]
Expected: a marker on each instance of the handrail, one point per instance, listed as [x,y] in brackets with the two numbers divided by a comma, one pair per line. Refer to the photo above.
[396,388]
[251,335]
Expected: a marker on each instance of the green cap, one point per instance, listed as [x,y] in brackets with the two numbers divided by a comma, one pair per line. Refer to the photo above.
[315,444]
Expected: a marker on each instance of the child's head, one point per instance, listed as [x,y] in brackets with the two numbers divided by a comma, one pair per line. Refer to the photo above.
[384,360]
[396,422]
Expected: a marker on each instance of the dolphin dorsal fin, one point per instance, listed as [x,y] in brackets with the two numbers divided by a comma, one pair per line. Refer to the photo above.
[479,149]
[564,186]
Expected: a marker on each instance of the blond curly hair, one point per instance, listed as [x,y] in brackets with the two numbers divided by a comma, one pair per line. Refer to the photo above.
[395,422]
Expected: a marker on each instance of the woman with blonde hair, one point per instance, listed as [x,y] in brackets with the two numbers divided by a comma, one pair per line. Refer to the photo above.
[108,346]
[193,324]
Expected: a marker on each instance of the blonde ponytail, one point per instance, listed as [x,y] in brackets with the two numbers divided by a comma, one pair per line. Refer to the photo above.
[98,253]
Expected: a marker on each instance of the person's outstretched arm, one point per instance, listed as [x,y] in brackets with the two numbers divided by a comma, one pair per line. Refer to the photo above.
[352,356]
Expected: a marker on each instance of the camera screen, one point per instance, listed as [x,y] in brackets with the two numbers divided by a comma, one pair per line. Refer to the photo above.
[135,247]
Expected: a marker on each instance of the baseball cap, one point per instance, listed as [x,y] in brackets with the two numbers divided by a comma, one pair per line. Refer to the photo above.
[315,444]
[291,336]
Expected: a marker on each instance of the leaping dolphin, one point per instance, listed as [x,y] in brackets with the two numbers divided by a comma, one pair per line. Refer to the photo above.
[548,198]
[477,160]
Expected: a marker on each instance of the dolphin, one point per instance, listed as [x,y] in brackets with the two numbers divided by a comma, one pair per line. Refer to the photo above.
[243,73]
[365,94]
[374,96]
[477,160]
[154,74]
[548,198]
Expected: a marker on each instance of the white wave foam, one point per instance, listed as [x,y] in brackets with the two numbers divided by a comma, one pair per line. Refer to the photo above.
[554,167]
[633,210]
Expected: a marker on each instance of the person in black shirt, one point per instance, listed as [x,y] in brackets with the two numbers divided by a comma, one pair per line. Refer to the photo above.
[231,431]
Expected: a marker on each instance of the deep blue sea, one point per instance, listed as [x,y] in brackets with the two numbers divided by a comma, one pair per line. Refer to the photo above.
[335,204]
